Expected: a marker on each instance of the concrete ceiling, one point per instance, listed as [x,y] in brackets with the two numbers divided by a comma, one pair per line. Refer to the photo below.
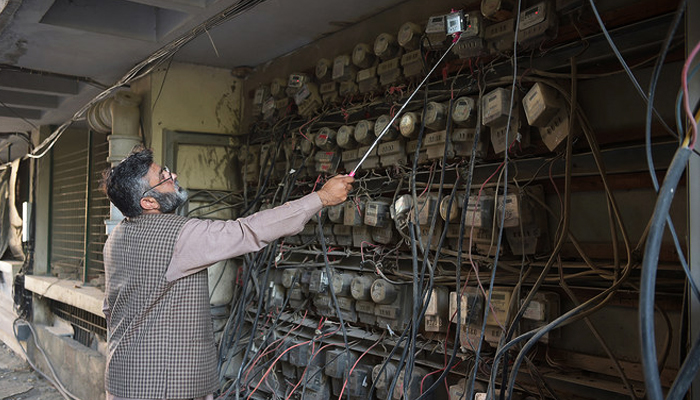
[56,55]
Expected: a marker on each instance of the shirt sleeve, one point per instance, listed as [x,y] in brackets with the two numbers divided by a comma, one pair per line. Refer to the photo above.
[204,242]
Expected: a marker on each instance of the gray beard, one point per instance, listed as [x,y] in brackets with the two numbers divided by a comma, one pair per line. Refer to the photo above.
[169,202]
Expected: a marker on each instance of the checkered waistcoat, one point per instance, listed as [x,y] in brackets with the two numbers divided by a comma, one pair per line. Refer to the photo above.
[161,342]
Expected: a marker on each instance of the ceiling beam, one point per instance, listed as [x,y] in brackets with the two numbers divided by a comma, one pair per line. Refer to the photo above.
[29,100]
[14,112]
[37,83]
[187,6]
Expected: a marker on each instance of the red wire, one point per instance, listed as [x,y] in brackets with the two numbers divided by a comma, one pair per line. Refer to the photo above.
[354,365]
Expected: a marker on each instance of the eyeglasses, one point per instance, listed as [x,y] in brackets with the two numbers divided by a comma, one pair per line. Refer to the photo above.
[165,171]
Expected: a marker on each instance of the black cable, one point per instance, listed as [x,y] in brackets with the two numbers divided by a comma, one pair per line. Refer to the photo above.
[648,278]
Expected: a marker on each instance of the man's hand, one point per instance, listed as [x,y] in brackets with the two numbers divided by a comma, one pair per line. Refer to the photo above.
[336,190]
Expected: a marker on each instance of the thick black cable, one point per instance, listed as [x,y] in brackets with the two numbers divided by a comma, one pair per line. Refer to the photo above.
[648,276]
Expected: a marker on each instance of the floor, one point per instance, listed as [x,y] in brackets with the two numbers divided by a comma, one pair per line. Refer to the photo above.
[19,382]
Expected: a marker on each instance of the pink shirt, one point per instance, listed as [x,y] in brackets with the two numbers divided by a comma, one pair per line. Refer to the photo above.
[201,242]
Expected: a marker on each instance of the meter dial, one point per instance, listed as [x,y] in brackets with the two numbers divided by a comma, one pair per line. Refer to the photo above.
[341,284]
[435,115]
[346,137]
[335,213]
[362,55]
[323,70]
[307,146]
[409,36]
[497,10]
[364,132]
[462,110]
[325,139]
[278,87]
[384,292]
[409,125]
[391,133]
[361,288]
[454,209]
[385,46]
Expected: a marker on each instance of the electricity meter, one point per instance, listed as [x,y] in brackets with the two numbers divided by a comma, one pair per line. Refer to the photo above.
[556,131]
[536,23]
[364,132]
[409,36]
[453,209]
[346,137]
[383,235]
[261,94]
[382,376]
[462,111]
[392,153]
[278,87]
[500,302]
[335,213]
[389,71]
[362,55]
[494,107]
[436,312]
[500,36]
[329,92]
[341,284]
[353,213]
[410,124]
[325,139]
[540,105]
[454,22]
[384,292]
[361,287]
[295,82]
[385,46]
[412,63]
[497,10]
[288,277]
[436,31]
[377,213]
[343,70]
[307,146]
[379,126]
[367,80]
[323,70]
[472,25]
[435,115]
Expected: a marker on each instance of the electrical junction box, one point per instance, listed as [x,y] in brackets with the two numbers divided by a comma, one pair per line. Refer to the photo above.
[392,153]
[537,23]
[346,137]
[411,147]
[343,69]
[383,235]
[324,70]
[361,234]
[436,31]
[363,56]
[412,63]
[389,71]
[497,10]
[409,36]
[500,37]
[540,104]
[329,92]
[463,143]
[364,132]
[409,125]
[382,122]
[377,213]
[350,159]
[343,235]
[556,131]
[435,115]
[463,111]
[353,213]
[437,146]
[327,161]
[339,362]
[436,318]
[471,42]
[367,80]
[348,88]
[372,160]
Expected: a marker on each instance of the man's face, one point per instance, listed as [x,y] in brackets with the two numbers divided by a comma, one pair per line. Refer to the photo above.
[164,188]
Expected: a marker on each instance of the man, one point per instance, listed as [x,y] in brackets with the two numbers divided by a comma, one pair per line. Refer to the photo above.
[160,339]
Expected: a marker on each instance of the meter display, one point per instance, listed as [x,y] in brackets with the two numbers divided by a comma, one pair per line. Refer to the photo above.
[386,47]
[364,132]
[435,115]
[363,55]
[409,36]
[409,125]
[390,134]
[346,137]
[462,110]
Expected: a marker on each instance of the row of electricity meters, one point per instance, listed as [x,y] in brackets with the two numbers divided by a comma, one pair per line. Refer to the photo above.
[327,148]
[363,298]
[394,58]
